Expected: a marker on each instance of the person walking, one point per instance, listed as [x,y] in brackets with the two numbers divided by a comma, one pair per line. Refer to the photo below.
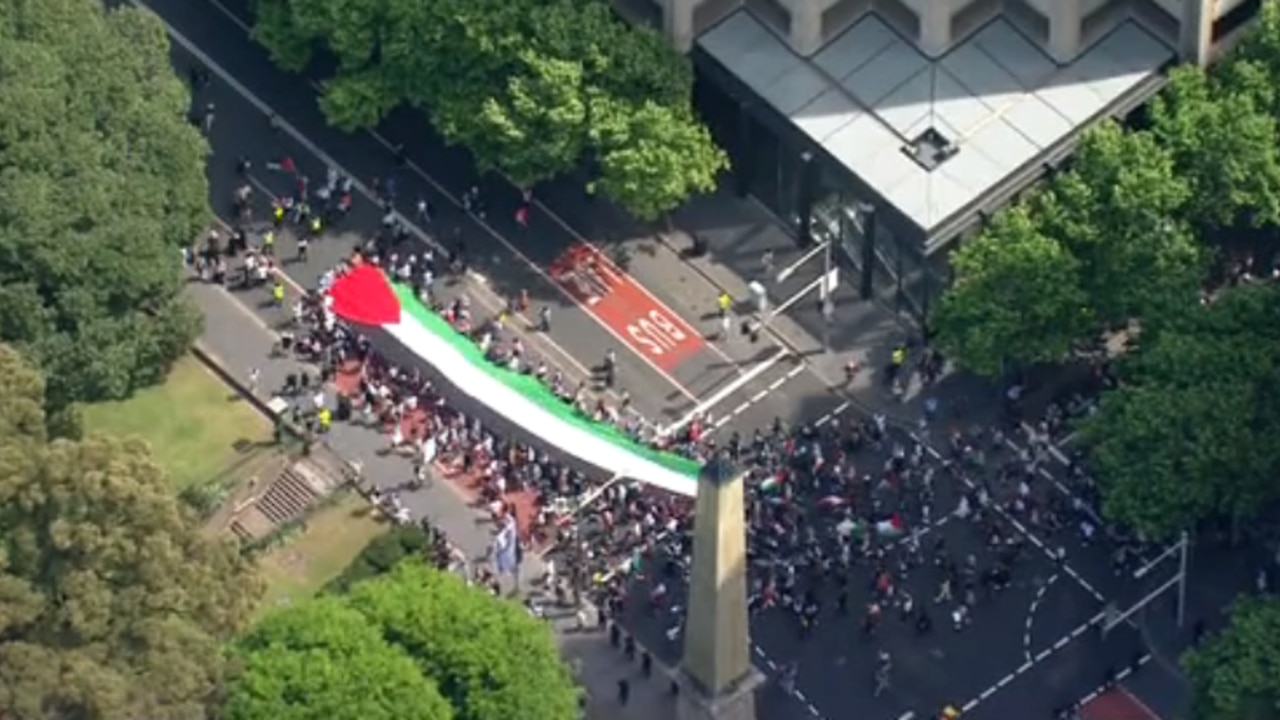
[883,670]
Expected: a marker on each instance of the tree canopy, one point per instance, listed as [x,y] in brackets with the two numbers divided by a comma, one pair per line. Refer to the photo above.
[1104,243]
[492,660]
[1235,675]
[532,88]
[101,182]
[1017,298]
[112,604]
[323,660]
[1187,436]
[489,658]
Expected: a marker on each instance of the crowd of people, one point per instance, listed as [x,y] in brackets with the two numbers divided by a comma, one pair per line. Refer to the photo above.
[841,516]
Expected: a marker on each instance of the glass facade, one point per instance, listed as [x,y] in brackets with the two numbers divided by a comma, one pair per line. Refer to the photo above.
[767,155]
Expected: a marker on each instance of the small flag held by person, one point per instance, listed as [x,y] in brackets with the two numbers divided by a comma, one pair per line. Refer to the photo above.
[891,527]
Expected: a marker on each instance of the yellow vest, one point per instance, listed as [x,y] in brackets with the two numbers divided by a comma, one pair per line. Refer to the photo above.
[268,239]
[277,292]
[315,225]
[325,417]
[279,213]
[899,357]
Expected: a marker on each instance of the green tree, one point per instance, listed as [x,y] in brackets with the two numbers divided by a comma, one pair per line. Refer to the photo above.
[1235,675]
[323,660]
[492,660]
[1016,300]
[1223,141]
[381,554]
[106,181]
[21,398]
[1259,48]
[532,88]
[645,158]
[1117,212]
[113,605]
[1185,439]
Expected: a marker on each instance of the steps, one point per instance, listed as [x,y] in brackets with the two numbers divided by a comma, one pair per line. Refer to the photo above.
[290,496]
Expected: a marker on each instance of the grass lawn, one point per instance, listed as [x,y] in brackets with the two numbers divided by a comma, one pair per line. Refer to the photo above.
[332,539]
[193,422]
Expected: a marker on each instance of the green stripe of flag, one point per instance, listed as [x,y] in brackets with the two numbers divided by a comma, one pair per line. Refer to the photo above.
[534,389]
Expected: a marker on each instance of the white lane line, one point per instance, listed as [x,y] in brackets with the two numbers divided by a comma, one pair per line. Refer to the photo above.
[833,414]
[1031,663]
[1120,677]
[773,387]
[323,157]
[1063,489]
[725,392]
[417,169]
[1017,525]
[1031,614]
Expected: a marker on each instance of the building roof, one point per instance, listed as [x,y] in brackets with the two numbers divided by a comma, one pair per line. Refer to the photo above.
[933,137]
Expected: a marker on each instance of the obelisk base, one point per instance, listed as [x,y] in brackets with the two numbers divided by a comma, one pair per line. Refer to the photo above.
[736,703]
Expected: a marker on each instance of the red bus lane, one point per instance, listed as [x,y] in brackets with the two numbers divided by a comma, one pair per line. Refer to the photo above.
[649,327]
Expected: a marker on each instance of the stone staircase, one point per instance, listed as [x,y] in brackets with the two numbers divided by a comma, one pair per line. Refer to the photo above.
[289,497]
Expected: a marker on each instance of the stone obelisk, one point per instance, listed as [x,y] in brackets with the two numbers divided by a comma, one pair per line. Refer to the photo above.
[717,679]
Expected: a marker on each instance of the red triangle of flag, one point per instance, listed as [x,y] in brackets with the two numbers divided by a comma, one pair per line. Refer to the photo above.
[364,296]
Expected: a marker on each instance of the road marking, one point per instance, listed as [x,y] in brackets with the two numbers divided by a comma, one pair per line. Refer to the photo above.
[1130,698]
[773,387]
[323,157]
[651,328]
[1031,614]
[834,413]
[1017,525]
[1025,667]
[726,391]
[1063,489]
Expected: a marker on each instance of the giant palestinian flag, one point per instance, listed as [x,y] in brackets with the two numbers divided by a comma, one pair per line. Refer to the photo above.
[364,296]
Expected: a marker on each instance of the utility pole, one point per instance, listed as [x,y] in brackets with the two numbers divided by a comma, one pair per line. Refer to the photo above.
[1113,616]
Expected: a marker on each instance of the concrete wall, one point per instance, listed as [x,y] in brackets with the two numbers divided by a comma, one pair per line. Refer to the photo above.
[1064,27]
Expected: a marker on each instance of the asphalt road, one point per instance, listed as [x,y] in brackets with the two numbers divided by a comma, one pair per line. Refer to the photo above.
[1033,647]
[667,376]
[728,370]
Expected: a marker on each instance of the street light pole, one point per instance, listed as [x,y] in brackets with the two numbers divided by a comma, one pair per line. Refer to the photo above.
[1112,616]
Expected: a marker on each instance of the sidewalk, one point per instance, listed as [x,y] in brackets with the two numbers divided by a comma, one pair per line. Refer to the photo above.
[240,338]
